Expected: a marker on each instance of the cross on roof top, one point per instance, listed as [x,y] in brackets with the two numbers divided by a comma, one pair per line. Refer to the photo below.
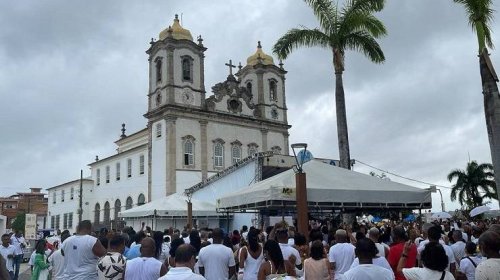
[231,66]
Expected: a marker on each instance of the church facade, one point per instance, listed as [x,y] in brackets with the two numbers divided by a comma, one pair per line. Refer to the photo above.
[190,135]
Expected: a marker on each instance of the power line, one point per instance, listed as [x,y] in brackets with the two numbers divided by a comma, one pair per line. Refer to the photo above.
[403,177]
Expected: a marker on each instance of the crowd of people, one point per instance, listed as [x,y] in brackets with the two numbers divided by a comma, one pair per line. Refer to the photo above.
[441,250]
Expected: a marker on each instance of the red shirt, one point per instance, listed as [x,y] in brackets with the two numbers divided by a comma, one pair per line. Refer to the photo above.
[395,254]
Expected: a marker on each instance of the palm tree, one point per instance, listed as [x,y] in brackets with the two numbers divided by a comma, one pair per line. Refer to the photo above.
[473,184]
[353,27]
[480,16]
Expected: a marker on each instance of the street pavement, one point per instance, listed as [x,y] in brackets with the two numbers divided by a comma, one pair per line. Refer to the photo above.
[24,272]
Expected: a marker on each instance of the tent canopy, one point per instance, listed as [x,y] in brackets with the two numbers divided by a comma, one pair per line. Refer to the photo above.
[328,187]
[172,205]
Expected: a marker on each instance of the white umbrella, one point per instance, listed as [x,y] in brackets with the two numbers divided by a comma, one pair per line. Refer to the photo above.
[441,215]
[479,210]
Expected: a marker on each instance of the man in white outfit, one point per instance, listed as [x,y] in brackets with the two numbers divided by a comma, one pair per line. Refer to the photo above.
[56,260]
[146,267]
[366,270]
[81,252]
[341,255]
[184,264]
[216,261]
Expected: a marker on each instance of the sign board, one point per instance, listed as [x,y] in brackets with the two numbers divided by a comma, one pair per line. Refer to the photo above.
[276,219]
[30,227]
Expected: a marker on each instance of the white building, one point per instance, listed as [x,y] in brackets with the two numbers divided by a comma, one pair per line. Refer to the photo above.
[188,137]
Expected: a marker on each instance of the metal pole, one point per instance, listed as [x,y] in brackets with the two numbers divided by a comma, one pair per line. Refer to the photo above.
[442,203]
[301,197]
[80,208]
[190,214]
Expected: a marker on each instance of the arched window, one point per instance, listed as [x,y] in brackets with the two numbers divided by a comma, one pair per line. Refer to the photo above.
[188,150]
[141,200]
[158,69]
[218,153]
[276,150]
[106,213]
[129,203]
[249,87]
[235,151]
[187,71]
[252,149]
[272,90]
[118,208]
[97,213]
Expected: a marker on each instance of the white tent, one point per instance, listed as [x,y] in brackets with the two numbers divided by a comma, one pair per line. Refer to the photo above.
[328,187]
[171,206]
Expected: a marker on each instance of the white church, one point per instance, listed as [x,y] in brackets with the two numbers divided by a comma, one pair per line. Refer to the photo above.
[190,134]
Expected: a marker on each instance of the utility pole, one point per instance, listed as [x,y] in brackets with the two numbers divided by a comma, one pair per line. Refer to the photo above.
[80,209]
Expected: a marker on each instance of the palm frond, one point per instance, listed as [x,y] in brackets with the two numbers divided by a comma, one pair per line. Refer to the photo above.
[370,6]
[455,173]
[363,21]
[479,13]
[326,13]
[295,38]
[365,43]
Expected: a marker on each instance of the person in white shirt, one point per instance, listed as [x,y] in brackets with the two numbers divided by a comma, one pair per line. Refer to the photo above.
[469,263]
[8,252]
[434,235]
[81,252]
[434,260]
[366,270]
[145,267]
[383,249]
[489,269]
[289,252]
[216,261]
[184,264]
[17,240]
[56,260]
[341,255]
[458,247]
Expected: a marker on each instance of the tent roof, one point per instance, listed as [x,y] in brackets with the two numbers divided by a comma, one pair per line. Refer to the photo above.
[327,187]
[172,205]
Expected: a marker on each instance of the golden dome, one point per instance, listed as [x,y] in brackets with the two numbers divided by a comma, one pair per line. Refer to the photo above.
[260,57]
[178,32]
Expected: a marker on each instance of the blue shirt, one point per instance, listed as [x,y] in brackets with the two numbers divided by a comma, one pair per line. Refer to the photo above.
[133,252]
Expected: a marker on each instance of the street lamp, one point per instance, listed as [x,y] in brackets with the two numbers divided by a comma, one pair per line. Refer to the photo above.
[433,189]
[301,190]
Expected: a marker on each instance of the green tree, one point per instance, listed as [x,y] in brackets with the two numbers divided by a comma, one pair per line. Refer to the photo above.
[480,15]
[473,184]
[19,222]
[352,27]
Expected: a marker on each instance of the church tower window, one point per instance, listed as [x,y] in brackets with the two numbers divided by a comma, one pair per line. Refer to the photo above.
[106,213]
[219,153]
[72,193]
[187,68]
[158,66]
[62,195]
[141,200]
[272,90]
[97,213]
[54,197]
[188,150]
[129,203]
[158,130]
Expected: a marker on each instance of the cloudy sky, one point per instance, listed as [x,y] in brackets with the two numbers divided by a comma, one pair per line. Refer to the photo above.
[72,71]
